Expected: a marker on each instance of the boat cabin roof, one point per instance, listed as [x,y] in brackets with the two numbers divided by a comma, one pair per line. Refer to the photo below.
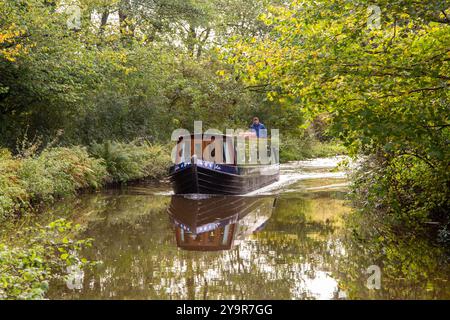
[192,136]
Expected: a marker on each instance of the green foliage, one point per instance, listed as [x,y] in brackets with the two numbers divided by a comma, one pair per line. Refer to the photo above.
[13,194]
[385,90]
[127,162]
[48,80]
[58,172]
[61,171]
[163,92]
[403,194]
[306,147]
[411,266]
[154,72]
[36,256]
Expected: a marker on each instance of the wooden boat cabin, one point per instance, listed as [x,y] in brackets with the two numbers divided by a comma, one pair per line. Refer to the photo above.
[221,164]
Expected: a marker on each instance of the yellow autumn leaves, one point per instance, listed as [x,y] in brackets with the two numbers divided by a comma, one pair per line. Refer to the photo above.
[10,49]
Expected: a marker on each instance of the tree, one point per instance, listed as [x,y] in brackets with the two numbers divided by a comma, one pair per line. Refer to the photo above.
[385,87]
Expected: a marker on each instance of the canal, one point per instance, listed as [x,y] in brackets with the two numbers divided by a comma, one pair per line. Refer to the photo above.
[285,241]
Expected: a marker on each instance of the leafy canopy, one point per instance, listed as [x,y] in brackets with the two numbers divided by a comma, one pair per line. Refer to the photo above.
[386,88]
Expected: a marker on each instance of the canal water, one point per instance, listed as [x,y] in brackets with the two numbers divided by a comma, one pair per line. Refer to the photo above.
[284,241]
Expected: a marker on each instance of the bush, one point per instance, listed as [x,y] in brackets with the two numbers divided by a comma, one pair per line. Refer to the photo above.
[37,255]
[403,194]
[327,149]
[61,171]
[13,194]
[132,161]
[305,147]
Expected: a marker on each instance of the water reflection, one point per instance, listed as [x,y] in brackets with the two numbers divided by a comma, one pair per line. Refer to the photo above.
[293,248]
[284,257]
[214,223]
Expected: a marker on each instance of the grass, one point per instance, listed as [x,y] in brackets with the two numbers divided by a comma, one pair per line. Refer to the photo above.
[13,193]
[57,172]
[300,148]
[61,171]
[130,161]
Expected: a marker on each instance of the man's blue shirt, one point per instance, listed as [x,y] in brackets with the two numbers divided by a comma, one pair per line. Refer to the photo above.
[258,127]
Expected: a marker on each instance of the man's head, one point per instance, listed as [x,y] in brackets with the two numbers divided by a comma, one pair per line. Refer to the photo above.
[255,120]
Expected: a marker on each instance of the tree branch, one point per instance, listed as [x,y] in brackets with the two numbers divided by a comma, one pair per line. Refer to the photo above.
[414,154]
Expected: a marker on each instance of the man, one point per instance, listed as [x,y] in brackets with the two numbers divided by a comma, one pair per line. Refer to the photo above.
[257,126]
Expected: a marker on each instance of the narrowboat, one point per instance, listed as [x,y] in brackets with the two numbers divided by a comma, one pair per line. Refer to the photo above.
[196,169]
[217,222]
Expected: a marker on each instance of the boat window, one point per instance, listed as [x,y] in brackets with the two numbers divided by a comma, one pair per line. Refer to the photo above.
[225,156]
[182,234]
[197,150]
[183,154]
[182,151]
[228,151]
[225,235]
[274,156]
[206,150]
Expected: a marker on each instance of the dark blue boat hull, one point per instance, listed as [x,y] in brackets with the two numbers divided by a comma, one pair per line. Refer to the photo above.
[195,178]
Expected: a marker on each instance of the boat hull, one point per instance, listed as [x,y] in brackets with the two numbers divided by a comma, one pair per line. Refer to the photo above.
[198,179]
[217,222]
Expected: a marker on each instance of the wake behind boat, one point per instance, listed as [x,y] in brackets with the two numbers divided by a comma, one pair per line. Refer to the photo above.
[208,176]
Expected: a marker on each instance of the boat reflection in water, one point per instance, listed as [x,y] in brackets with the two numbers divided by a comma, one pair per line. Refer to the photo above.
[212,223]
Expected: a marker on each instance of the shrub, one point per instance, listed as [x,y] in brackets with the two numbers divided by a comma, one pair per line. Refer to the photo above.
[327,149]
[304,147]
[132,161]
[13,194]
[61,171]
[37,255]
[403,194]
[58,172]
